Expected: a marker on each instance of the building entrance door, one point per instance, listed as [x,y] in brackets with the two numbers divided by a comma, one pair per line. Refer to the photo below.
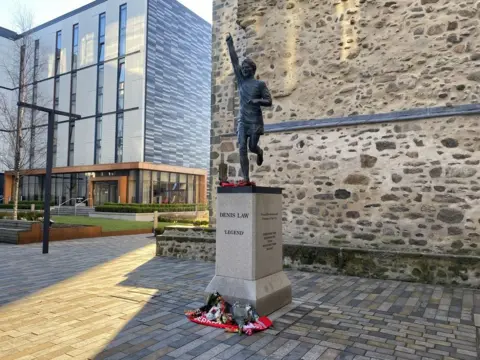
[105,191]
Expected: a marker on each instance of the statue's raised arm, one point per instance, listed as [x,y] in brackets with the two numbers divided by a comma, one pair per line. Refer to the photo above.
[234,58]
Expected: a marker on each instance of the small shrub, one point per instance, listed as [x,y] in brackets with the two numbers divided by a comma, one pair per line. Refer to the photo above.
[201,223]
[159,230]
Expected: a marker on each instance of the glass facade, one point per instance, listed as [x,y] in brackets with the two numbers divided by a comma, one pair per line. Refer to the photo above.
[172,188]
[75,47]
[143,186]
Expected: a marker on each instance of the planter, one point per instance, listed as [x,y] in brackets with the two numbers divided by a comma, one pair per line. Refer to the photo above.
[59,233]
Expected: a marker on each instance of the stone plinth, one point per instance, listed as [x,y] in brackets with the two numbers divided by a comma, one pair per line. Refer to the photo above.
[249,248]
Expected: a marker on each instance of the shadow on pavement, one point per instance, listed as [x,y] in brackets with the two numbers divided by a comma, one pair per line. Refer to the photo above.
[24,270]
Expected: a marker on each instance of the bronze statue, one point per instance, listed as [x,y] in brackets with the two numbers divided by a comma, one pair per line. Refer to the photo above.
[253,95]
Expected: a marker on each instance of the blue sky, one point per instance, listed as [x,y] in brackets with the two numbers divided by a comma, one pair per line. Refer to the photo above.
[45,10]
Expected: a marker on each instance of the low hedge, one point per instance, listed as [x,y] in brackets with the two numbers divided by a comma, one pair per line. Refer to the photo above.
[22,206]
[29,216]
[200,207]
[36,202]
[149,208]
[25,205]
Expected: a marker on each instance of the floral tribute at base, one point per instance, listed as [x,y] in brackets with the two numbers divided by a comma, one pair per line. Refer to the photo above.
[237,184]
[233,318]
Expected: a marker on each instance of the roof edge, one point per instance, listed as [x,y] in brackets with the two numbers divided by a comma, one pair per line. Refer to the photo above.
[63,17]
[8,34]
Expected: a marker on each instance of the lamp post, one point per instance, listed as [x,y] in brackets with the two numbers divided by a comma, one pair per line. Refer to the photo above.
[48,175]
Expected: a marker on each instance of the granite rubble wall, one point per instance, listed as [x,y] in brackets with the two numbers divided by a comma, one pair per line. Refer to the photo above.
[410,186]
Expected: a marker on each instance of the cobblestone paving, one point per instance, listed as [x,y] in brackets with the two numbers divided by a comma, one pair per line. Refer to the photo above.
[113,299]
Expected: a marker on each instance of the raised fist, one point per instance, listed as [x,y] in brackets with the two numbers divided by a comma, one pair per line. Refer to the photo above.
[229,37]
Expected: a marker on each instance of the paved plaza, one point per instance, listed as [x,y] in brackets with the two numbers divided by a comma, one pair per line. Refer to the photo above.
[112,298]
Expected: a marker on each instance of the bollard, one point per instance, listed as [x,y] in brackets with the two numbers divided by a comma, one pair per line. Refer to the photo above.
[32,208]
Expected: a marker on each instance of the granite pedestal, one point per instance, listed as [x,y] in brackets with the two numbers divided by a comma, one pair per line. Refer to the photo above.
[249,249]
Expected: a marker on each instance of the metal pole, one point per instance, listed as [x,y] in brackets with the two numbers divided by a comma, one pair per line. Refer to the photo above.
[48,182]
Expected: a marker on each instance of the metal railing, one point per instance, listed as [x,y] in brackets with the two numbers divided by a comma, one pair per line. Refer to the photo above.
[76,204]
[68,201]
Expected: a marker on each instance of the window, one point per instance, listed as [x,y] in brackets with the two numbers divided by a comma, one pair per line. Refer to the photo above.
[71,143]
[122,41]
[22,65]
[99,128]
[191,189]
[119,136]
[119,150]
[121,85]
[34,94]
[73,95]
[75,47]
[59,41]
[73,110]
[101,70]
[122,44]
[36,59]
[121,74]
[101,52]
[98,140]
[58,52]
[57,91]
[72,133]
[32,123]
[100,83]
[100,89]
[101,38]
[100,102]
[74,83]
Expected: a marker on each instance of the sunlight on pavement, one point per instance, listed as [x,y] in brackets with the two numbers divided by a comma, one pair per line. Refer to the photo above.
[76,318]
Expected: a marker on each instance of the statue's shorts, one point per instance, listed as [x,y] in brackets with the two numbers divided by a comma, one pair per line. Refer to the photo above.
[249,135]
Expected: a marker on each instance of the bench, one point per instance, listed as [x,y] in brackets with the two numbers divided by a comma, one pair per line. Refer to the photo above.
[10,230]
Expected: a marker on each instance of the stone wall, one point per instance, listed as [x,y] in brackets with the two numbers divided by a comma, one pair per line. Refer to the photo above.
[341,57]
[411,186]
[187,243]
[406,186]
[417,267]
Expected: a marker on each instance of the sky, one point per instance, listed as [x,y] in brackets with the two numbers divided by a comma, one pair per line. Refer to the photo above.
[45,10]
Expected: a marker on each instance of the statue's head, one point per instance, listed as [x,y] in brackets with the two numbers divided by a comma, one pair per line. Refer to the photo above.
[249,68]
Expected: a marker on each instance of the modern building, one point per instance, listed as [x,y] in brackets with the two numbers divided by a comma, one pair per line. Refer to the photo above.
[138,72]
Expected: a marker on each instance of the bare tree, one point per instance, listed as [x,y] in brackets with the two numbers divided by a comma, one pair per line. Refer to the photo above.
[21,135]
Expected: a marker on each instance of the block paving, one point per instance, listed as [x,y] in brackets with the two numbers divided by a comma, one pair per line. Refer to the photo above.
[111,298]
